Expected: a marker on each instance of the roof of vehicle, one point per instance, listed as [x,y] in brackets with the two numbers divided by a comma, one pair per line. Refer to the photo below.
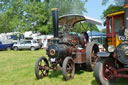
[72,19]
[115,13]
[96,34]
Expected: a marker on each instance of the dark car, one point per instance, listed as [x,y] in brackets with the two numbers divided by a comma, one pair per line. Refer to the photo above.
[5,46]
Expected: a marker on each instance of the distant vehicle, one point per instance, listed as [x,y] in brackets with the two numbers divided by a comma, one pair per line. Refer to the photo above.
[27,44]
[39,41]
[44,40]
[5,46]
[99,38]
[101,43]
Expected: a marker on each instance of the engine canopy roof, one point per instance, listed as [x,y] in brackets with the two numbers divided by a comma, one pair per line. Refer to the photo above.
[72,19]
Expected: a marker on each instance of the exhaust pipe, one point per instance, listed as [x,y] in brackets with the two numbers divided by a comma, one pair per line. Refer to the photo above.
[55,21]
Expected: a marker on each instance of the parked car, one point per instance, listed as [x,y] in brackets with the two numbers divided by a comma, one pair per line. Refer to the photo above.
[5,46]
[27,44]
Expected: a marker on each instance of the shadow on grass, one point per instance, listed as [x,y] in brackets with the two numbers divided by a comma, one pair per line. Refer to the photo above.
[94,82]
[81,67]
[58,73]
[121,81]
[79,71]
[55,74]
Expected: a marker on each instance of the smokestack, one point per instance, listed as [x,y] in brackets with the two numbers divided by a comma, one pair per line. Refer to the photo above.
[126,17]
[55,21]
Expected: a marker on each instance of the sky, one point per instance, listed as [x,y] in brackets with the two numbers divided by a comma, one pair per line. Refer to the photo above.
[95,9]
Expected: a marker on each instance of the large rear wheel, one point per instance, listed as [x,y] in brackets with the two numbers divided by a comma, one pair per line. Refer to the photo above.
[91,55]
[104,71]
[41,68]
[68,68]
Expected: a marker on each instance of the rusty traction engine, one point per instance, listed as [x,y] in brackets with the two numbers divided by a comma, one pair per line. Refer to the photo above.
[66,50]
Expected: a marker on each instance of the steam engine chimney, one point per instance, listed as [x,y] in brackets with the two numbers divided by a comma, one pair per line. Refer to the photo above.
[55,21]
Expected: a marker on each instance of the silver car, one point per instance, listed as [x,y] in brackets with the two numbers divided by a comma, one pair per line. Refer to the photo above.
[26,44]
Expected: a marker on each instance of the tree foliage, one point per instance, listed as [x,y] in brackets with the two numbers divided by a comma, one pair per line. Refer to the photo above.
[82,27]
[34,15]
[103,30]
[104,2]
[116,2]
[10,18]
[111,9]
[119,2]
[68,6]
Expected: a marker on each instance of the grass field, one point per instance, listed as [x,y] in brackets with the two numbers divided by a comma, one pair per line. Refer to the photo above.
[17,68]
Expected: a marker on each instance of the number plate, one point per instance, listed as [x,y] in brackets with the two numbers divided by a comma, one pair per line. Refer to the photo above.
[53,59]
[123,38]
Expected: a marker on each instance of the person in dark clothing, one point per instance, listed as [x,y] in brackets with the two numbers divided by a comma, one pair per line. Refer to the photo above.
[84,38]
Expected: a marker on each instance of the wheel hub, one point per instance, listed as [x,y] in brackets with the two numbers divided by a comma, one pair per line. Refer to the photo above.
[108,72]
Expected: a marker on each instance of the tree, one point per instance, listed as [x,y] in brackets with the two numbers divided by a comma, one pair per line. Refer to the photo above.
[68,6]
[10,18]
[85,27]
[117,2]
[35,15]
[21,17]
[103,30]
[111,9]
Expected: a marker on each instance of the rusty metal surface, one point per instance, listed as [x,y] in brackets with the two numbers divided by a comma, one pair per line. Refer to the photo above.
[80,57]
[120,75]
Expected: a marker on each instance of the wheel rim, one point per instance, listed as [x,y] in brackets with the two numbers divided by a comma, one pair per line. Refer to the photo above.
[8,48]
[32,48]
[43,68]
[108,72]
[70,69]
[94,56]
[15,48]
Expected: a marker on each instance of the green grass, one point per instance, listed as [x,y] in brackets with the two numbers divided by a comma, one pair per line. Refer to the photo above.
[17,68]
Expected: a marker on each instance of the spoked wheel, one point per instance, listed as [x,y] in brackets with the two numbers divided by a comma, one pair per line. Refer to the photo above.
[104,71]
[91,55]
[68,68]
[41,68]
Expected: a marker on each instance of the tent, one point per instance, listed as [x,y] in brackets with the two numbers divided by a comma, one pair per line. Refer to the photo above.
[95,34]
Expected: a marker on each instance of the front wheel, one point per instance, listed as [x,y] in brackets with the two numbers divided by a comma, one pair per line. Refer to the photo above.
[41,68]
[68,68]
[104,71]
